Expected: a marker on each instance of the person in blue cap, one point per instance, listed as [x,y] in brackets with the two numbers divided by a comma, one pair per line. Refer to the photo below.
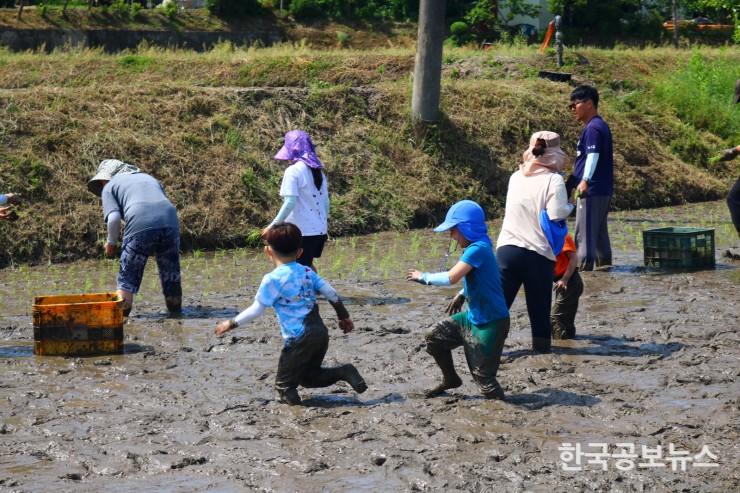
[484,326]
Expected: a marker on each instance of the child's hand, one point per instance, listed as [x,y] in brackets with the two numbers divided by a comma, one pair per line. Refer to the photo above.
[455,305]
[346,325]
[224,327]
[413,275]
[561,286]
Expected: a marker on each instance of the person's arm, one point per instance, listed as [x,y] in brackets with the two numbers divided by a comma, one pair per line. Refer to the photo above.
[345,322]
[453,276]
[588,173]
[557,204]
[113,222]
[562,283]
[591,160]
[289,203]
[252,313]
[10,199]
[730,154]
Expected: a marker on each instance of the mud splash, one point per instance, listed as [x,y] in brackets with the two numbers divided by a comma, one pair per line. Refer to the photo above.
[655,363]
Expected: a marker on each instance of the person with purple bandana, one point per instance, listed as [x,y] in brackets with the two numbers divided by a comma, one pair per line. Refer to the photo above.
[593,177]
[305,194]
[482,329]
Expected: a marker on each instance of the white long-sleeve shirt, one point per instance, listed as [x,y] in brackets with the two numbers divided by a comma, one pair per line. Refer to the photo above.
[526,197]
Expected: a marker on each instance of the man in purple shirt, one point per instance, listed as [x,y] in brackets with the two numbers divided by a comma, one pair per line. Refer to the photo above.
[593,178]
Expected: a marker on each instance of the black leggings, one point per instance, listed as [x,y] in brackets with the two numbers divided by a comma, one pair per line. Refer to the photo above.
[521,266]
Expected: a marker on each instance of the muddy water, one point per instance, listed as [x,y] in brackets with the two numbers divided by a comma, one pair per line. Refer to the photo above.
[655,363]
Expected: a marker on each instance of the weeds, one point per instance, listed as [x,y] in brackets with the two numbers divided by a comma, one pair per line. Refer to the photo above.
[177,115]
[701,93]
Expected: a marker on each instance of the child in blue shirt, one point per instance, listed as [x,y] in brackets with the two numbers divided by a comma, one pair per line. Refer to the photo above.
[483,328]
[291,290]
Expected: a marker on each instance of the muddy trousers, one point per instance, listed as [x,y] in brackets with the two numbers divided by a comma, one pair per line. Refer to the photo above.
[592,232]
[520,266]
[301,359]
[733,203]
[483,346]
[565,307]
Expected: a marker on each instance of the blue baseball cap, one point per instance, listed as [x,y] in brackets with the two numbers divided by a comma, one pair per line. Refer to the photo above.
[470,220]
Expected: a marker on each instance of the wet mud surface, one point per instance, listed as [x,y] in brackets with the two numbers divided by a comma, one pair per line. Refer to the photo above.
[656,362]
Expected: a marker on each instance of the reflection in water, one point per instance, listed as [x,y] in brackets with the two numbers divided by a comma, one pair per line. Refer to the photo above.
[188,313]
[16,351]
[551,397]
[375,301]
[347,400]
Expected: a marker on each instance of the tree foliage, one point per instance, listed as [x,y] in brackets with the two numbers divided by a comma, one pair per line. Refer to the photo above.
[605,22]
[233,8]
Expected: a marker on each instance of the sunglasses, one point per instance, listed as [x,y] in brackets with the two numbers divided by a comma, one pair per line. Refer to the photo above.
[573,105]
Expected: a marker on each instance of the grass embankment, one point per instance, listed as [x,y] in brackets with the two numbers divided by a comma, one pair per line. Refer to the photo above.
[208,124]
[320,33]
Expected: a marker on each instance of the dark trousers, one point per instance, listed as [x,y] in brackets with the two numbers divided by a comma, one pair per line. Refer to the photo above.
[164,243]
[483,347]
[592,232]
[565,307]
[521,266]
[733,202]
[313,246]
[301,358]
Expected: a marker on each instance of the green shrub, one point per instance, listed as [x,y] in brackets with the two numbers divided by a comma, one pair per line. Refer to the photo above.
[170,9]
[119,8]
[233,8]
[305,9]
[135,10]
[343,38]
[701,94]
[459,31]
[135,63]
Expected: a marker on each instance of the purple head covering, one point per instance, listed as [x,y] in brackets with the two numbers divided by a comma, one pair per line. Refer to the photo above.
[298,147]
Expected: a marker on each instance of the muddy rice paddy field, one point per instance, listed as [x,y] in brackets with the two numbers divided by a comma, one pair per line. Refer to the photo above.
[656,363]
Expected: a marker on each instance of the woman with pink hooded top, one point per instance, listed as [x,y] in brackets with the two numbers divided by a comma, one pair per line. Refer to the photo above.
[524,253]
[305,194]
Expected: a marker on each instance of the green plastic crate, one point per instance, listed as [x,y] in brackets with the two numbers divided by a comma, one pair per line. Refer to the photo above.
[679,248]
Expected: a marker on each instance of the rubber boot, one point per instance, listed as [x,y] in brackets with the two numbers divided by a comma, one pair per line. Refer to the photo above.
[495,394]
[290,396]
[559,332]
[349,374]
[174,304]
[541,345]
[450,379]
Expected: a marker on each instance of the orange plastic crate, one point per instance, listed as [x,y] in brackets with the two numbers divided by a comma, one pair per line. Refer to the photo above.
[77,325]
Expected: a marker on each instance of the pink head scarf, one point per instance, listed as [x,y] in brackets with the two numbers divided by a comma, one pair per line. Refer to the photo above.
[552,161]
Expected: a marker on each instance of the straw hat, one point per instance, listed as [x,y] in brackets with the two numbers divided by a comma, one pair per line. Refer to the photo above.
[107,169]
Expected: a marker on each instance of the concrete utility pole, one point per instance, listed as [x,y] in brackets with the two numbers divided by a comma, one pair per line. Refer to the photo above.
[428,67]
[675,23]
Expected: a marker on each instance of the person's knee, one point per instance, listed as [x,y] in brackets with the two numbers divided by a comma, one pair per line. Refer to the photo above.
[434,337]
